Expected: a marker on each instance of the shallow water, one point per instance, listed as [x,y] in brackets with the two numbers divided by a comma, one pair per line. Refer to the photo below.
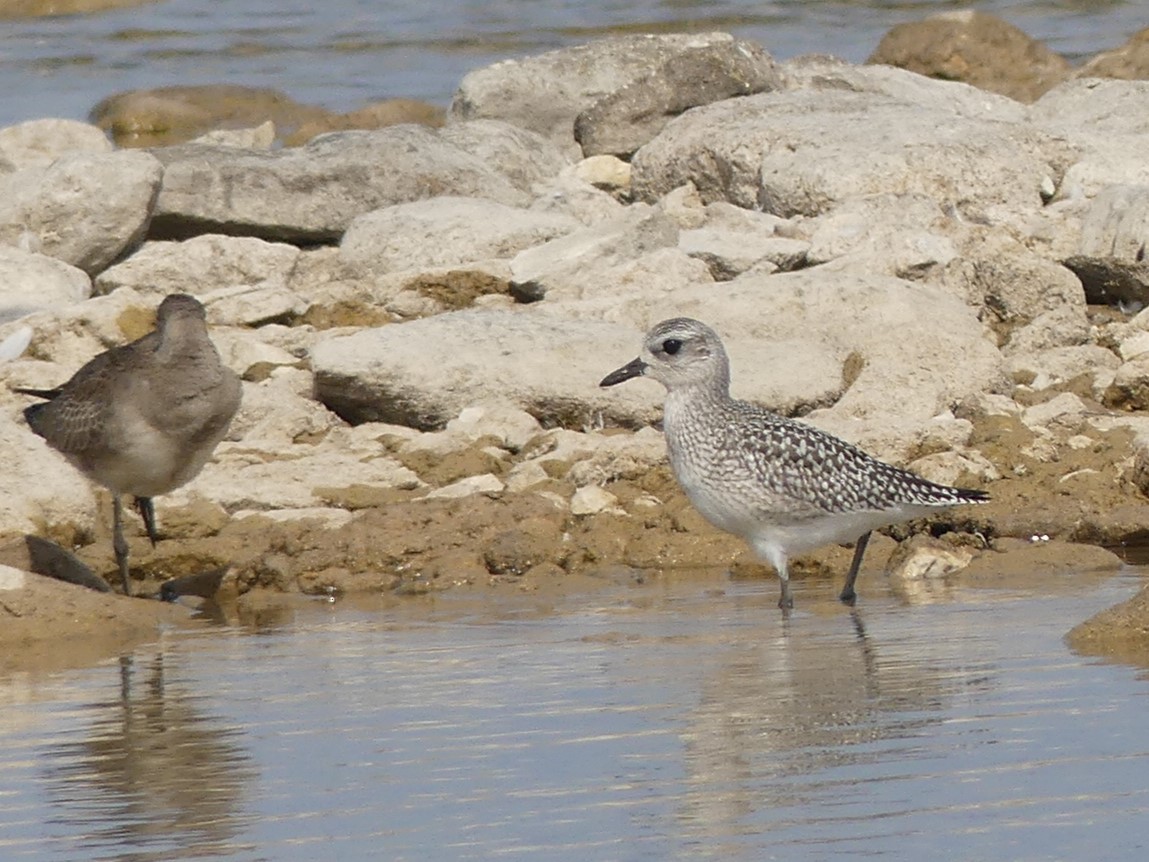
[680,719]
[344,53]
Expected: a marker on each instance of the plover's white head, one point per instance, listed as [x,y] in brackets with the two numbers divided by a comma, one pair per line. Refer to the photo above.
[678,353]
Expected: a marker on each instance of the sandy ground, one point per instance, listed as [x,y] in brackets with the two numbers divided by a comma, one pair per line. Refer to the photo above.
[49,625]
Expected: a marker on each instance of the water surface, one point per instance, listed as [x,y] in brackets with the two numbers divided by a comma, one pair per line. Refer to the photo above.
[344,53]
[677,719]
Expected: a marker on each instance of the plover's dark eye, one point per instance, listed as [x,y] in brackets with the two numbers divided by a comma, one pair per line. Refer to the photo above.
[671,346]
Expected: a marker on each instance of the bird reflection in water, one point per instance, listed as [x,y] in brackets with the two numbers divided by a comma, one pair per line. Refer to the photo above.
[155,777]
[777,712]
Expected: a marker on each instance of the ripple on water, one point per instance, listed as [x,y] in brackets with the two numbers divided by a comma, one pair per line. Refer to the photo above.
[344,53]
[665,721]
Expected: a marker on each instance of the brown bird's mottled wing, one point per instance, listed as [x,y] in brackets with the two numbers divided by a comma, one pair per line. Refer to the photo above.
[73,418]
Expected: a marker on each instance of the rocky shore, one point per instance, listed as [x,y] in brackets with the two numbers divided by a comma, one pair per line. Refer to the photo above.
[947,276]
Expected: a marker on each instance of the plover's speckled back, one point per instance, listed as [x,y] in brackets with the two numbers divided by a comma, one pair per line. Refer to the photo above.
[783,486]
[144,418]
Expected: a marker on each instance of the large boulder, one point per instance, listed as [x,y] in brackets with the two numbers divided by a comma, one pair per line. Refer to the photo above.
[243,281]
[799,341]
[202,264]
[38,143]
[547,92]
[804,152]
[1030,302]
[1129,61]
[622,122]
[31,282]
[1106,123]
[825,73]
[907,235]
[312,193]
[84,209]
[977,48]
[1111,260]
[866,346]
[731,240]
[520,155]
[548,366]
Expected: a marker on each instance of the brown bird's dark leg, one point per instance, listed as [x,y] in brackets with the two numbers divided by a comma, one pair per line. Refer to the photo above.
[119,544]
[148,513]
[848,595]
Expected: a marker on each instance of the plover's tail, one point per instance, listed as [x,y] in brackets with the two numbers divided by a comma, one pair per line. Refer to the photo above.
[970,495]
[907,487]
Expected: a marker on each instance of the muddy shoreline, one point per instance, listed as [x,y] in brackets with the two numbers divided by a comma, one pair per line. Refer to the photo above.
[52,626]
[491,546]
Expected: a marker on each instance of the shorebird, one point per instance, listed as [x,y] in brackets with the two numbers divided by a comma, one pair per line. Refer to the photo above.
[783,486]
[143,418]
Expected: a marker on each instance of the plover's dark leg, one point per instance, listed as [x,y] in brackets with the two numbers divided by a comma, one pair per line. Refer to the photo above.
[786,601]
[848,595]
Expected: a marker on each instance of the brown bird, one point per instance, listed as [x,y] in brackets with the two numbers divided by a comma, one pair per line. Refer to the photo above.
[144,418]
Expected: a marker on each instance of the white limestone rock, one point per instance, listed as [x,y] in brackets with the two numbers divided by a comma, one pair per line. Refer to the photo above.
[39,489]
[1060,366]
[201,265]
[1105,120]
[618,456]
[12,578]
[260,137]
[1061,408]
[547,367]
[807,151]
[278,411]
[31,282]
[246,355]
[593,500]
[253,306]
[905,235]
[928,559]
[83,209]
[569,194]
[820,72]
[446,231]
[575,264]
[486,484]
[312,193]
[512,427]
[38,143]
[241,478]
[546,92]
